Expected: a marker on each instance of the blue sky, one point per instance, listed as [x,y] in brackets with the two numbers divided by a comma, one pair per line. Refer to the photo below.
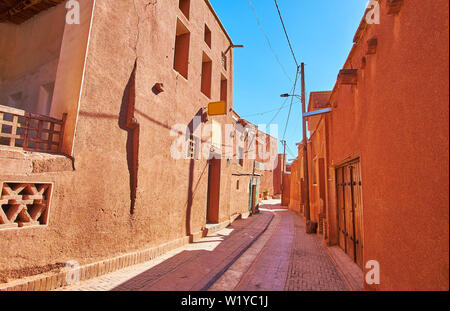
[321,33]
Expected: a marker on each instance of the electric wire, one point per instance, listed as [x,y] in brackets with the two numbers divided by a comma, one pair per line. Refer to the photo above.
[265,112]
[292,102]
[279,110]
[285,32]
[279,62]
[268,41]
[290,151]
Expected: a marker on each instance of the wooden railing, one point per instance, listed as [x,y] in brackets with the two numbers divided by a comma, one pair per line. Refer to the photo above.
[31,132]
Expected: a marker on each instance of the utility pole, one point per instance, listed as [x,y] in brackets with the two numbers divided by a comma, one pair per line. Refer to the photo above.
[253,195]
[283,168]
[305,146]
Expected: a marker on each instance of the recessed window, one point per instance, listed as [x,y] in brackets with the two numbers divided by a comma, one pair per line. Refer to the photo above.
[223,89]
[191,147]
[24,204]
[185,6]
[206,75]
[224,61]
[240,156]
[208,36]
[182,41]
[314,172]
[237,185]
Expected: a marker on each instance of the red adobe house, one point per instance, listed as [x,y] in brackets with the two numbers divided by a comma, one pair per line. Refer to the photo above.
[379,161]
[87,116]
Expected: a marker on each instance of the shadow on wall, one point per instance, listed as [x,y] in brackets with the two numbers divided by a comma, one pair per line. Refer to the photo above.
[127,122]
[193,126]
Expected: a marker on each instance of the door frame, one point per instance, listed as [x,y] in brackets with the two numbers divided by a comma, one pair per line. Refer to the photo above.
[213,196]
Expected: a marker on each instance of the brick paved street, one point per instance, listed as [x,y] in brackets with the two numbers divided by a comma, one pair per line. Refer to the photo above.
[292,260]
[269,270]
[266,252]
[311,268]
[193,267]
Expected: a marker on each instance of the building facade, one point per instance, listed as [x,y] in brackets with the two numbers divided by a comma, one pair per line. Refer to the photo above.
[104,143]
[378,163]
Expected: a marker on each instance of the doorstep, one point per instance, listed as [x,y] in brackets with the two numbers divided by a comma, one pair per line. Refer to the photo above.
[213,228]
[351,272]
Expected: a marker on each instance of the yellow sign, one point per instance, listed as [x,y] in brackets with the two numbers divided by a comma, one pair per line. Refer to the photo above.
[217,108]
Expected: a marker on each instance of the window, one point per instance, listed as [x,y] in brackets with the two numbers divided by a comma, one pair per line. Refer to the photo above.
[240,156]
[24,204]
[206,75]
[237,185]
[223,89]
[181,57]
[207,36]
[185,7]
[314,172]
[224,61]
[191,148]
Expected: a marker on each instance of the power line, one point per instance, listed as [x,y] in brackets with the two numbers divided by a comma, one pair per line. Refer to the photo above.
[285,32]
[265,112]
[281,107]
[290,151]
[292,101]
[268,41]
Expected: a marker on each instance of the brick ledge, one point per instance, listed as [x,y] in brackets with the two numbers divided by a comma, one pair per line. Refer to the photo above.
[50,281]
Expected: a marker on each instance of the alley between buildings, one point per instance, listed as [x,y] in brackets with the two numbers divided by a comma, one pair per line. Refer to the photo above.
[269,251]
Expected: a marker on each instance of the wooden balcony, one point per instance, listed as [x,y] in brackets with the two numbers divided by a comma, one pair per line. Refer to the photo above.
[31,132]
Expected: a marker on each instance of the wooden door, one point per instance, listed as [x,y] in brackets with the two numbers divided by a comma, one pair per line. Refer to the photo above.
[213,203]
[349,220]
[350,210]
[341,208]
[358,212]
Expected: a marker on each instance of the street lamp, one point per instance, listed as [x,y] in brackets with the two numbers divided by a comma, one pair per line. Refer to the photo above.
[289,95]
[308,114]
[232,47]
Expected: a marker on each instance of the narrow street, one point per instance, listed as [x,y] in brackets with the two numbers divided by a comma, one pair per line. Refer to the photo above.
[266,252]
[207,145]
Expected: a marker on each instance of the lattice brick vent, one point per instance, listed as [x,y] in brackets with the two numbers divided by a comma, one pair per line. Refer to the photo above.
[24,204]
